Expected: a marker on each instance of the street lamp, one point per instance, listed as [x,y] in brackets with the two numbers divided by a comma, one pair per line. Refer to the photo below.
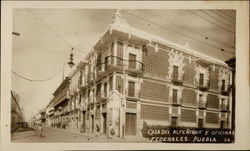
[71,63]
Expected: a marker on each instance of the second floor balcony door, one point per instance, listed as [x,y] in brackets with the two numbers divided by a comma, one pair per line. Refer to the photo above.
[131,89]
[132,61]
[175,72]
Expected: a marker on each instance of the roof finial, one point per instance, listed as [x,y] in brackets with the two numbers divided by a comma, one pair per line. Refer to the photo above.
[118,18]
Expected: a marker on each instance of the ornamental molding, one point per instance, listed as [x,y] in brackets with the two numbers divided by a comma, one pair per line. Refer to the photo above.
[224,74]
[205,71]
[118,20]
[176,59]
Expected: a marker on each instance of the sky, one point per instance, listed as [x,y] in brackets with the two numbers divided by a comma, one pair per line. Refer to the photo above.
[43,48]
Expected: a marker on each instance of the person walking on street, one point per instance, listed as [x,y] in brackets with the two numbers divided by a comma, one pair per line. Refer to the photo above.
[40,128]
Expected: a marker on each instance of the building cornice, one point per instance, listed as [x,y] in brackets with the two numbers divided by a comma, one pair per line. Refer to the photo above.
[123,27]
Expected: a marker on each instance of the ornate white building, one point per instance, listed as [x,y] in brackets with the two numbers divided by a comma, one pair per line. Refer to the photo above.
[132,79]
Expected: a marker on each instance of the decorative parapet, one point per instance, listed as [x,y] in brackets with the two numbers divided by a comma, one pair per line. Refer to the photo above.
[224,74]
[176,59]
[118,20]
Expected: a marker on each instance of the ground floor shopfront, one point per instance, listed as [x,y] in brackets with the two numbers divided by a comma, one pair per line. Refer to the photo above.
[112,117]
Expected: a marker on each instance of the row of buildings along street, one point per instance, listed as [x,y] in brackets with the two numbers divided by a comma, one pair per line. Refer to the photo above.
[133,82]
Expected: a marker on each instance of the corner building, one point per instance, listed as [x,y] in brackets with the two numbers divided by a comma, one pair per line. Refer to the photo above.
[132,79]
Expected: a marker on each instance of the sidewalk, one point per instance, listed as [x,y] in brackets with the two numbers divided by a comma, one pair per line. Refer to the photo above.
[103,138]
[74,132]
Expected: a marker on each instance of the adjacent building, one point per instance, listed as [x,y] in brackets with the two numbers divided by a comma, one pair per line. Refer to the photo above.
[132,78]
[16,112]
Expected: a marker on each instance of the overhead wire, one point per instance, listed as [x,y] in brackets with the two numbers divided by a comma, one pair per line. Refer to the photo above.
[204,18]
[157,15]
[223,16]
[38,80]
[226,14]
[52,30]
[204,12]
[164,28]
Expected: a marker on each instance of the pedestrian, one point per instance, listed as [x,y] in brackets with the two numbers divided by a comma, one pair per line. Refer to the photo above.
[40,129]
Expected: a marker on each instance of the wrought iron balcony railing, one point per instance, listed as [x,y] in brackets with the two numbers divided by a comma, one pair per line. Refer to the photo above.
[176,80]
[132,94]
[91,77]
[134,66]
[226,91]
[176,102]
[101,96]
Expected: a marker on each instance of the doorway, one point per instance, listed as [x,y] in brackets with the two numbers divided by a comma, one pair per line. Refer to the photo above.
[200,123]
[222,124]
[83,121]
[92,121]
[130,124]
[104,123]
[174,121]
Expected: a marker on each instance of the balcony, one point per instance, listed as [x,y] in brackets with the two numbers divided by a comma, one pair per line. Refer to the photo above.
[224,108]
[100,70]
[91,100]
[110,65]
[202,104]
[135,68]
[203,87]
[176,102]
[91,79]
[176,80]
[83,87]
[83,106]
[225,91]
[132,95]
[101,97]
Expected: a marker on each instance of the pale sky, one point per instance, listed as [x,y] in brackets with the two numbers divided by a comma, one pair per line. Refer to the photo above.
[38,53]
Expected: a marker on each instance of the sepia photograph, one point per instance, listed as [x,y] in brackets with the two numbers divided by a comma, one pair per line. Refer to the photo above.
[123,75]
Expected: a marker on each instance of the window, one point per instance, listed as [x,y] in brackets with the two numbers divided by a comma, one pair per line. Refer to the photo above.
[201,80]
[174,121]
[175,72]
[223,87]
[119,84]
[112,53]
[105,90]
[132,61]
[110,83]
[202,101]
[99,57]
[200,123]
[119,53]
[224,105]
[106,63]
[89,95]
[174,97]
[131,89]
[98,90]
[93,92]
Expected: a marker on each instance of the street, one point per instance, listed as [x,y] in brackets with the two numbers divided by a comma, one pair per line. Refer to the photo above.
[51,135]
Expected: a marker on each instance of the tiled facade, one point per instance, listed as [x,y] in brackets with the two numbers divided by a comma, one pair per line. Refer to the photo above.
[130,79]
